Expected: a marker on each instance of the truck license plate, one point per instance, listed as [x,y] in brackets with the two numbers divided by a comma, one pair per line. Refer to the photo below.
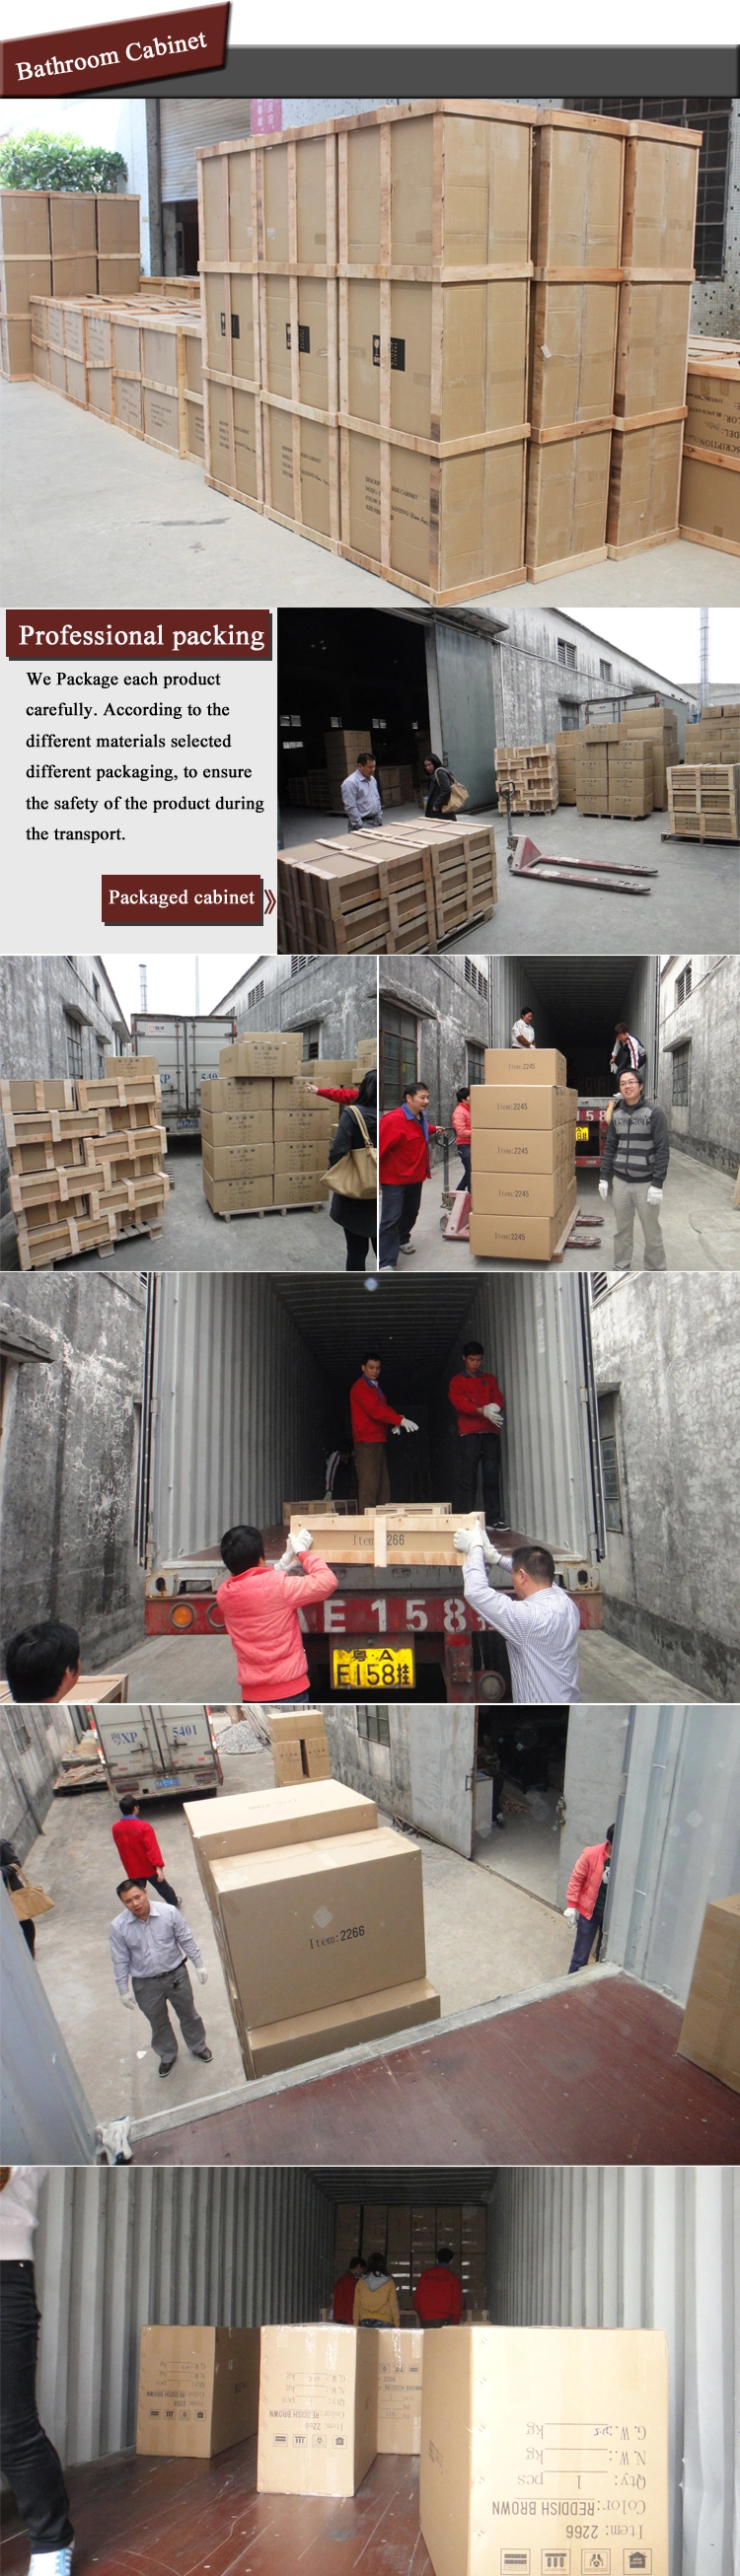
[373,1668]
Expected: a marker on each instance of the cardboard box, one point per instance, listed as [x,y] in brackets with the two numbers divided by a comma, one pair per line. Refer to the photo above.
[498,1237]
[301,1154]
[318,2417]
[198,2389]
[710,2030]
[233,1198]
[400,2357]
[235,1162]
[236,1126]
[536,1149]
[273,1053]
[321,1922]
[540,2444]
[532,1064]
[523,1194]
[258,1819]
[521,1104]
[304,1757]
[299,1189]
[237,1093]
[313,1123]
[337,1071]
[293,2042]
[283,1723]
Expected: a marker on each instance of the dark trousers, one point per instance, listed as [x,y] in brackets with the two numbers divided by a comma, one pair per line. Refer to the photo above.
[29,2458]
[153,1994]
[162,1888]
[474,1449]
[588,1938]
[400,1204]
[464,1153]
[357,1249]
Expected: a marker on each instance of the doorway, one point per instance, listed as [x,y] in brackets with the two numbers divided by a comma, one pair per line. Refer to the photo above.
[519,1807]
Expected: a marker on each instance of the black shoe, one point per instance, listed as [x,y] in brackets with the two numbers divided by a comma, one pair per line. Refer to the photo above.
[166,2065]
[205,2053]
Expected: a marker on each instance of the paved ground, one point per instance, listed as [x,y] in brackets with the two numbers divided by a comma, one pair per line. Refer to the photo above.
[693,900]
[484,1938]
[701,1228]
[135,522]
[192,1238]
[201,1668]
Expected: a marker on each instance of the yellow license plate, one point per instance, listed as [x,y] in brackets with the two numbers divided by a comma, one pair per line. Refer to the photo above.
[372,1668]
[582,1135]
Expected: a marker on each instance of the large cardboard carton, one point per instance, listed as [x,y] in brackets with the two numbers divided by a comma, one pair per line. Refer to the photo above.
[536,1149]
[521,1194]
[301,1154]
[400,2355]
[283,1723]
[309,1123]
[198,2389]
[236,1126]
[318,2417]
[236,1197]
[545,2449]
[260,1819]
[238,1162]
[498,1236]
[295,2040]
[320,1922]
[273,1053]
[710,2030]
[300,1189]
[236,1092]
[531,1064]
[521,1104]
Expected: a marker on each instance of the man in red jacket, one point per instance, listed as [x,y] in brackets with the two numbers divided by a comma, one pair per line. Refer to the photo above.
[370,1418]
[479,1405]
[404,1166]
[259,1606]
[438,2293]
[138,1848]
[343,2300]
[585,1904]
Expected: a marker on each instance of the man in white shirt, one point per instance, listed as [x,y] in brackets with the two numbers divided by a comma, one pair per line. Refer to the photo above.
[30,2461]
[522,1034]
[361,795]
[541,1624]
[149,1943]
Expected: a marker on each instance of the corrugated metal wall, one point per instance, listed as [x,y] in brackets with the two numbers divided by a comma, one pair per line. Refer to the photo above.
[118,2249]
[242,1418]
[183,124]
[511,988]
[642,2246]
[536,1350]
[678,1843]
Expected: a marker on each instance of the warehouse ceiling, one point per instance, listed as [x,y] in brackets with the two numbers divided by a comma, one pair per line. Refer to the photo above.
[414,1325]
[412,2186]
[581,995]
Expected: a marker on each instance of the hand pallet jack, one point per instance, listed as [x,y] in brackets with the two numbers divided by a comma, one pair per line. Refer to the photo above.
[608,876]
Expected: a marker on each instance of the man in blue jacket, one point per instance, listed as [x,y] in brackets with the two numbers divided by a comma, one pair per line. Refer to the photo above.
[635,1161]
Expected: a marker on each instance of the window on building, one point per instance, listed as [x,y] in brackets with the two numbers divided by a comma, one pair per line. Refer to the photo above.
[712,118]
[374,1725]
[682,985]
[297,963]
[566,653]
[473,976]
[680,1090]
[475,1063]
[610,1461]
[256,995]
[74,1047]
[605,671]
[570,715]
[96,988]
[399,1052]
[101,1052]
[311,1042]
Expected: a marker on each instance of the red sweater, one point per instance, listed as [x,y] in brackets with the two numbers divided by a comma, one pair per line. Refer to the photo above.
[137,1846]
[438,2295]
[342,1097]
[369,1411]
[404,1152]
[469,1394]
[461,1122]
[343,2302]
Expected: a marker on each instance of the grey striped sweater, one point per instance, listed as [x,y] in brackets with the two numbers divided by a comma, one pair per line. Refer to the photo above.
[637,1144]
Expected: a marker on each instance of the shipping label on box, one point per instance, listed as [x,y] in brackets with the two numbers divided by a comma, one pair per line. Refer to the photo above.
[318,2419]
[533,1064]
[544,2452]
[321,1921]
[400,2359]
[521,1104]
[198,2389]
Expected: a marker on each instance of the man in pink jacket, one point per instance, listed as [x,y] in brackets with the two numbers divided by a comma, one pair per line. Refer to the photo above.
[259,1606]
[586,1900]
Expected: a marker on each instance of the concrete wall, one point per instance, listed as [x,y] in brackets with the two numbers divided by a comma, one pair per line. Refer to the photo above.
[530,682]
[449,1012]
[708,1020]
[668,1345]
[69,1459]
[35,993]
[715,301]
[678,1841]
[339,992]
[378,1771]
[594,1768]
[32,1741]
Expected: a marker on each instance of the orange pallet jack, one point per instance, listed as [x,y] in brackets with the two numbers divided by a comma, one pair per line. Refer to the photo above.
[606,876]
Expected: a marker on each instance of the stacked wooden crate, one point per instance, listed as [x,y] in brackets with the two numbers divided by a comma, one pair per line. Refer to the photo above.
[704,801]
[405,886]
[61,243]
[710,477]
[86,1163]
[578,185]
[265,1137]
[531,772]
[661,178]
[136,363]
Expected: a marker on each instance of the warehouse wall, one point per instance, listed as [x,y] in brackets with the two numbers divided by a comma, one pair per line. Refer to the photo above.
[708,1022]
[379,1771]
[69,1459]
[678,1846]
[530,683]
[450,1013]
[641,2246]
[32,1741]
[118,2249]
[715,301]
[668,1346]
[338,991]
[594,1767]
[244,1418]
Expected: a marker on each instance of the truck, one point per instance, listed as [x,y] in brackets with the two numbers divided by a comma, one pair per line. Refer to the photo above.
[158,1752]
[247,1390]
[186,1046]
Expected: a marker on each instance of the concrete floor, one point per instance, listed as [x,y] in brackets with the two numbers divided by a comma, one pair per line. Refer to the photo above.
[135,521]
[693,901]
[192,1238]
[484,1939]
[202,1668]
[701,1229]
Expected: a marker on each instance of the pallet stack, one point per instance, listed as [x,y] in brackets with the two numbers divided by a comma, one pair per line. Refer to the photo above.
[136,363]
[704,793]
[659,221]
[613,771]
[710,477]
[265,1137]
[578,190]
[565,754]
[523,1155]
[404,886]
[86,1162]
[61,243]
[531,772]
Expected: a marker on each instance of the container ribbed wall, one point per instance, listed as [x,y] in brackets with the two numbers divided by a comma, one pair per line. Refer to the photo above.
[243,1416]
[678,1846]
[512,992]
[642,2246]
[532,1330]
[117,2249]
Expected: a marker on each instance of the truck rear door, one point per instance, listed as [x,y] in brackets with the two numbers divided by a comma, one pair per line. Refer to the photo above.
[187,1748]
[130,1748]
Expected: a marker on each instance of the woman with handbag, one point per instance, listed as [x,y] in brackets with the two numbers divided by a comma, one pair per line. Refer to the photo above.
[445,794]
[353,1164]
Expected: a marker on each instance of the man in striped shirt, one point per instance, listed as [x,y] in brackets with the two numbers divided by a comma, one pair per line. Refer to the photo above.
[540,1625]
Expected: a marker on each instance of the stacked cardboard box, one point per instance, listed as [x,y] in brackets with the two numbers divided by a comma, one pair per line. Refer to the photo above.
[347,2235]
[404,887]
[474,2255]
[343,750]
[710,475]
[716,735]
[658,726]
[318,2413]
[60,243]
[565,754]
[704,801]
[523,1150]
[630,773]
[265,1137]
[661,179]
[400,2366]
[710,2030]
[593,745]
[621,768]
[261,1819]
[86,1163]
[531,772]
[198,2390]
[299,1746]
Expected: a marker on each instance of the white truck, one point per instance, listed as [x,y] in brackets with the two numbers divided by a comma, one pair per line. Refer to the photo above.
[187,1048]
[158,1752]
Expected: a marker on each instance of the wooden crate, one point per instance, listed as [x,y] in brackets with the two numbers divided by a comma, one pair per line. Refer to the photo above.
[660,189]
[388,1537]
[531,772]
[661,172]
[566,760]
[567,501]
[445,363]
[577,195]
[435,190]
[645,483]
[573,355]
[132,362]
[704,801]
[25,270]
[710,478]
[446,523]
[394,889]
[652,348]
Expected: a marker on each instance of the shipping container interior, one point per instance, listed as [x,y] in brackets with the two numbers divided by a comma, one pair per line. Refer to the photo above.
[575,1002]
[574,2247]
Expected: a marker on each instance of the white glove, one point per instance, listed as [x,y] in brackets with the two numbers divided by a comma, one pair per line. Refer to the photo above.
[493,1412]
[129,2003]
[571,1913]
[302,1542]
[407,1424]
[492,1554]
[654,1196]
[464,1539]
[202,1976]
[395,1430]
[603,1189]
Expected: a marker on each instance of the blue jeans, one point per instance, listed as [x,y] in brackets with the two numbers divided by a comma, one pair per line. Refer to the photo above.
[399,1208]
[29,2459]
[464,1153]
[588,1933]
[298,1699]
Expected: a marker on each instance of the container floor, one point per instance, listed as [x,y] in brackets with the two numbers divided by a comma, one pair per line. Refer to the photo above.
[137,2517]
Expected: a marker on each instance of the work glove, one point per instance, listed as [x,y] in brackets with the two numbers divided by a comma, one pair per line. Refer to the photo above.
[464,1539]
[654,1196]
[202,1976]
[571,1913]
[129,2003]
[493,1412]
[492,1554]
[603,1189]
[296,1548]
[407,1424]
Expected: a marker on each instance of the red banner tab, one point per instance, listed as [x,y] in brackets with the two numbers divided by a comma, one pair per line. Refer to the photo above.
[228,634]
[109,57]
[207,900]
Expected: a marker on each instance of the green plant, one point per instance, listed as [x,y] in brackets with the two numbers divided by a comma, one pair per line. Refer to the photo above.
[38,160]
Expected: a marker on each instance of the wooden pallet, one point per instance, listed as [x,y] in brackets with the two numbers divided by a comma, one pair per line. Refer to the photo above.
[277,1207]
